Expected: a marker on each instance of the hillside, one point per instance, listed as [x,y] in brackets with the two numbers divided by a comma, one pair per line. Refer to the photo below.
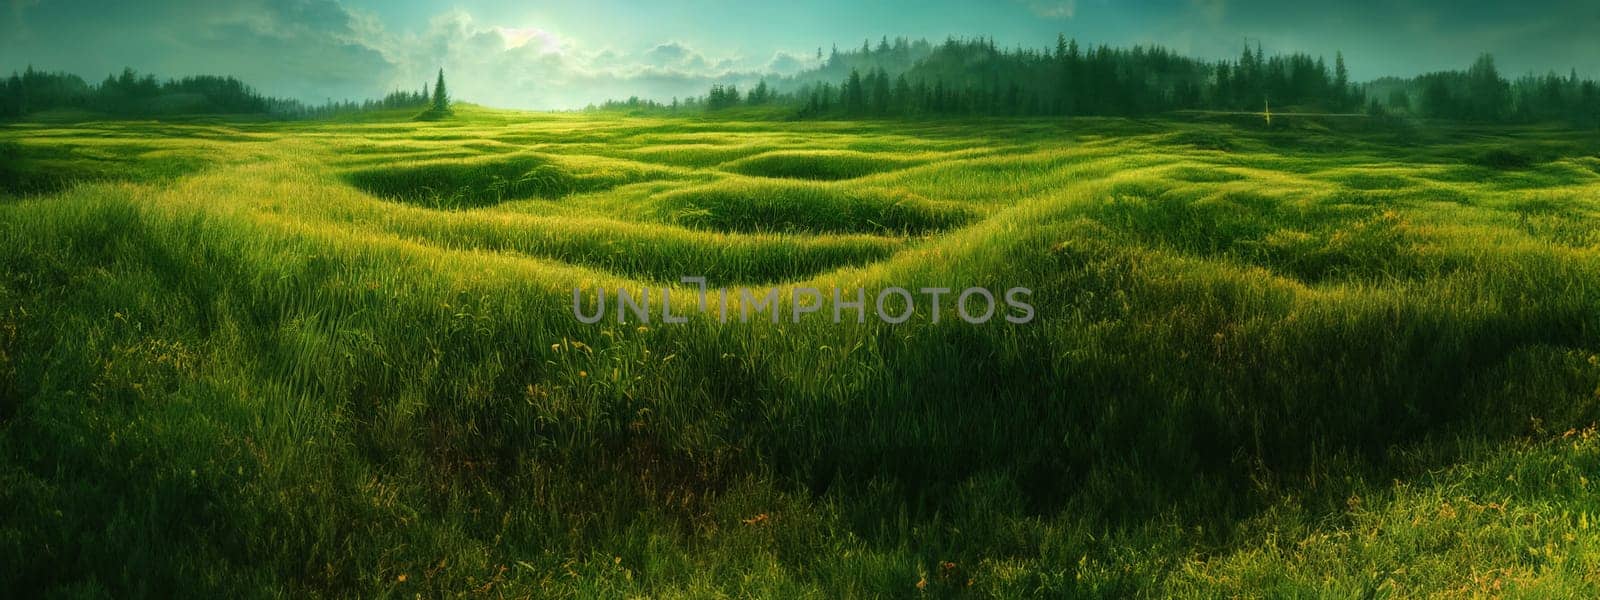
[341,358]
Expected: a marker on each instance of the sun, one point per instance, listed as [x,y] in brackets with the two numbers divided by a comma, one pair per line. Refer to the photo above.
[517,37]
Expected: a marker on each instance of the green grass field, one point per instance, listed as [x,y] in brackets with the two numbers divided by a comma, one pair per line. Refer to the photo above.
[339,358]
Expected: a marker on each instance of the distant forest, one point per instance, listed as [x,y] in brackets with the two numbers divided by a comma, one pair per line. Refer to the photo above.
[975,77]
[959,77]
[133,95]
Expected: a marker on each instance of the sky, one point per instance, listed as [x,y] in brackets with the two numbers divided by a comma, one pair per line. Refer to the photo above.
[565,54]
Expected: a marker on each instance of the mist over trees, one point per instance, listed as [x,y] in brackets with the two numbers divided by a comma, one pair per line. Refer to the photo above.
[974,77]
[892,56]
[959,77]
[130,94]
[1481,94]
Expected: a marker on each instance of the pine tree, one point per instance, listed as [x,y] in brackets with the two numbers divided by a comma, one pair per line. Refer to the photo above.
[441,97]
[878,91]
[854,99]
[1490,95]
[760,95]
[900,98]
[1341,81]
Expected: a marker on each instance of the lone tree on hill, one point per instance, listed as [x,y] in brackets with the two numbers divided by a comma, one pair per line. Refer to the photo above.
[441,98]
[439,108]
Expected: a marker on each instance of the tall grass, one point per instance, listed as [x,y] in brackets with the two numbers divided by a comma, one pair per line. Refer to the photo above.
[1258,368]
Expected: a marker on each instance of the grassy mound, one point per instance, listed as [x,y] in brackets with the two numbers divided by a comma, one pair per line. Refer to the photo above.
[453,184]
[1505,159]
[693,154]
[1314,243]
[1190,174]
[36,169]
[828,165]
[645,251]
[1372,181]
[750,206]
[1203,139]
[434,114]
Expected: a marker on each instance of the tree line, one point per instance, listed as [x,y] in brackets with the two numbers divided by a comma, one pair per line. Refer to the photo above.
[133,95]
[974,77]
[1482,94]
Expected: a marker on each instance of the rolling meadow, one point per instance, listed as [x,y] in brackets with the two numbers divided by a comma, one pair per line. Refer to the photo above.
[1337,357]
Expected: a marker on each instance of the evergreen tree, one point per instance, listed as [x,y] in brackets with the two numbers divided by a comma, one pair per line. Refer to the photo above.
[1399,100]
[880,92]
[1341,82]
[853,96]
[441,97]
[900,98]
[1490,96]
[760,95]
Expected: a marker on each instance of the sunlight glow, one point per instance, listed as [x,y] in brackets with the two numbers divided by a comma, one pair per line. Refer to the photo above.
[517,37]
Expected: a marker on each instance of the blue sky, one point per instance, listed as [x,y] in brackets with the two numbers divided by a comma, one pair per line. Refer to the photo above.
[564,54]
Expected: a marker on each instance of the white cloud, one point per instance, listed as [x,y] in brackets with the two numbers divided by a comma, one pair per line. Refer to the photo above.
[318,49]
[530,67]
[784,63]
[527,66]
[517,37]
[674,55]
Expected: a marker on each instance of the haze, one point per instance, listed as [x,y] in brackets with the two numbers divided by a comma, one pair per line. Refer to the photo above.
[562,55]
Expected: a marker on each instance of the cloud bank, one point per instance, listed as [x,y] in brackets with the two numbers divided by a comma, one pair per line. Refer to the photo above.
[526,55]
[320,49]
